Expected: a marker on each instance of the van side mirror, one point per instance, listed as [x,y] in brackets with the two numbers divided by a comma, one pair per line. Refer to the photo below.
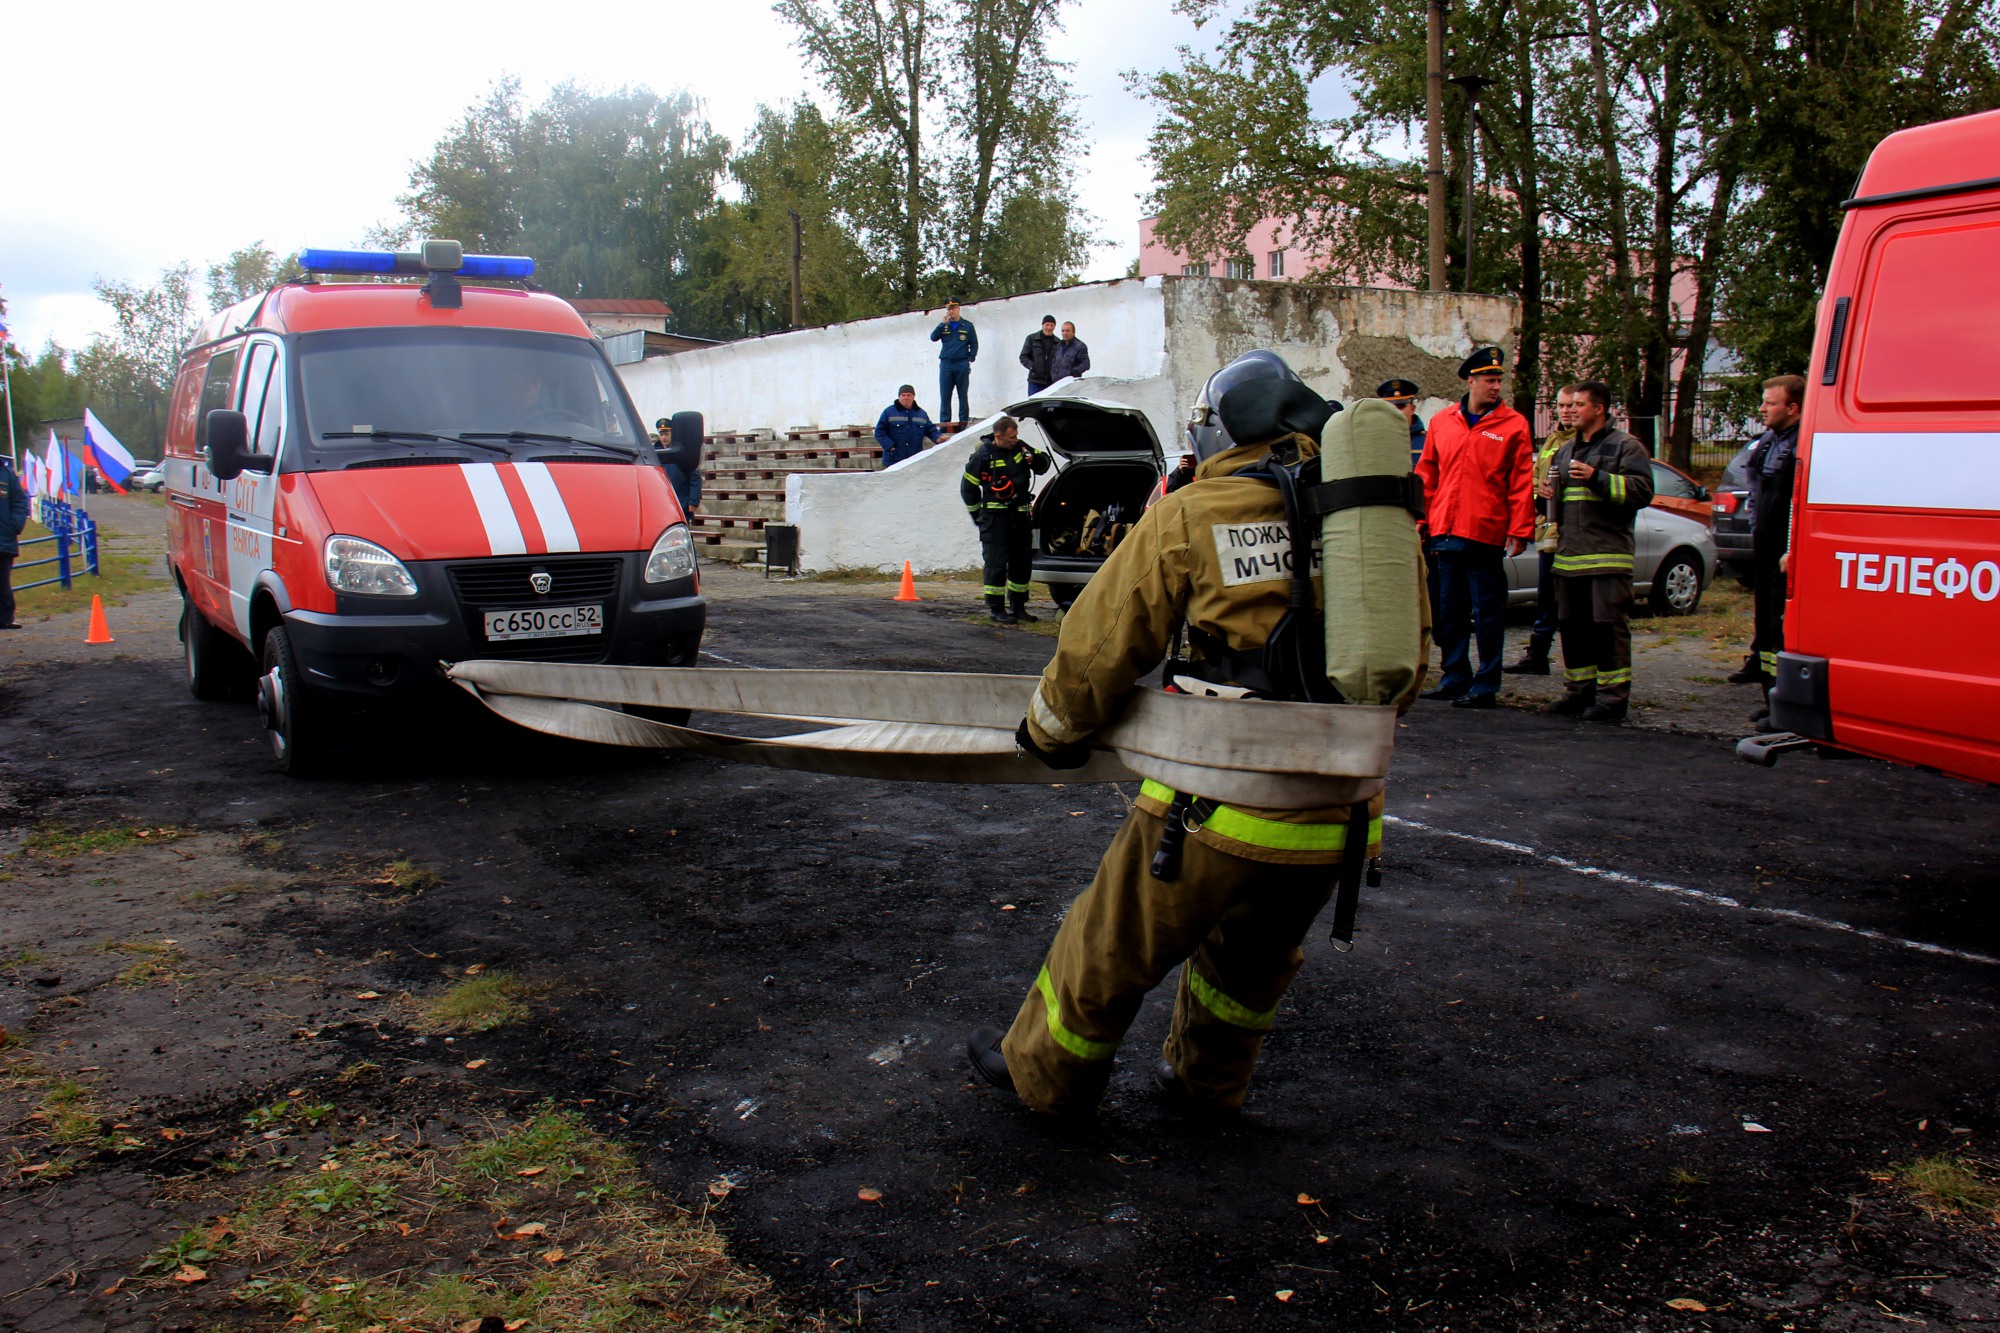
[229,455]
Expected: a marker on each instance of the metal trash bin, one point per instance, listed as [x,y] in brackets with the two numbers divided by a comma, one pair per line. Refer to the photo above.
[781,547]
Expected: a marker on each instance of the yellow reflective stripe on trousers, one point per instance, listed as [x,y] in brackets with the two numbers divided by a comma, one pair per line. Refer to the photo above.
[1616,563]
[1226,1009]
[1622,676]
[1081,1047]
[1574,674]
[1260,832]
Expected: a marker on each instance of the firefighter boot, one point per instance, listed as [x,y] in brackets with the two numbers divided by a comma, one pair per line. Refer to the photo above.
[1574,704]
[1020,603]
[1535,661]
[982,1048]
[1750,673]
[997,612]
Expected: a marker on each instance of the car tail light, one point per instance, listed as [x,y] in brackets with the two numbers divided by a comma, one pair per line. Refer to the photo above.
[1726,502]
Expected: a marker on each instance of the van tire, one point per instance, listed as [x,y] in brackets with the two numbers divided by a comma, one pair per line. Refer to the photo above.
[1676,589]
[217,666]
[297,719]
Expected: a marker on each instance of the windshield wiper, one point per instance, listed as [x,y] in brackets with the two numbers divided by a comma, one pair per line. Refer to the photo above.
[536,437]
[424,435]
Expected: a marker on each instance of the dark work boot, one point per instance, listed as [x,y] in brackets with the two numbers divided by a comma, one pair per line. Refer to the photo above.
[1748,674]
[997,612]
[982,1048]
[1176,1097]
[1534,662]
[1573,704]
[1604,713]
[1021,612]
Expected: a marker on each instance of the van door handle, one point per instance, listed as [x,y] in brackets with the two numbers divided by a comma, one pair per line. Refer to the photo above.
[184,502]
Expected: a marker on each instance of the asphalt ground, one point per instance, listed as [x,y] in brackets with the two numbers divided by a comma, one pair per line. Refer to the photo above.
[1631,1027]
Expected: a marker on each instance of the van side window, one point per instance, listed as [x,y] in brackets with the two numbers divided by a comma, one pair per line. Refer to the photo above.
[264,399]
[216,391]
[1929,341]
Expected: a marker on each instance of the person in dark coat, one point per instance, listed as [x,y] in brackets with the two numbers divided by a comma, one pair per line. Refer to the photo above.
[955,357]
[13,517]
[680,454]
[1773,461]
[1402,395]
[1038,354]
[903,428]
[1072,358]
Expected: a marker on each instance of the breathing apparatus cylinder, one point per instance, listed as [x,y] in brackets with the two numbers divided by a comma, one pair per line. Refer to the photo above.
[1374,588]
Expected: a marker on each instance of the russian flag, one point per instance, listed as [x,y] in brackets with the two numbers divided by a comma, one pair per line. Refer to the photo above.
[101,447]
[52,468]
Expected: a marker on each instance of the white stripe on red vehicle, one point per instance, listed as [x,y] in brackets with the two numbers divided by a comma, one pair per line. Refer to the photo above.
[1905,469]
[558,532]
[496,511]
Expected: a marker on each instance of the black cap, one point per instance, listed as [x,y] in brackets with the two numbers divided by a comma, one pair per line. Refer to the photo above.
[1486,358]
[907,388]
[1398,390]
[663,423]
[1048,319]
[1261,410]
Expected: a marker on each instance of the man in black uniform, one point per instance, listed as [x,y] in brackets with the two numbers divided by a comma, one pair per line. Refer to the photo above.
[1772,464]
[995,491]
[1403,395]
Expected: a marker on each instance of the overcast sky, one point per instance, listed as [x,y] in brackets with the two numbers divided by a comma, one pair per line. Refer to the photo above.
[150,133]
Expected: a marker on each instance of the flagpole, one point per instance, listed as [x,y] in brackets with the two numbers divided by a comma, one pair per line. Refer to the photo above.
[7,384]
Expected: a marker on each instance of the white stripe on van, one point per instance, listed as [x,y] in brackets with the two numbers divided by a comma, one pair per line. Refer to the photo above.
[1906,469]
[496,511]
[558,533]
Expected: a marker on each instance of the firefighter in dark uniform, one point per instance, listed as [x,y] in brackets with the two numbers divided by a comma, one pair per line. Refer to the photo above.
[995,491]
[1403,395]
[1594,491]
[1248,883]
[1773,462]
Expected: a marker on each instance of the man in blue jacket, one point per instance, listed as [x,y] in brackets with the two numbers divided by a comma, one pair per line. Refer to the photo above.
[955,358]
[13,517]
[903,428]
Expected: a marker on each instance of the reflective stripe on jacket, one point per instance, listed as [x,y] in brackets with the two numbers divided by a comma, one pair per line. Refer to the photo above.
[1596,517]
[1478,480]
[997,479]
[1172,566]
[902,431]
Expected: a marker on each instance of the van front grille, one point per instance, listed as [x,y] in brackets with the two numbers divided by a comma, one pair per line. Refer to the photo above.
[491,585]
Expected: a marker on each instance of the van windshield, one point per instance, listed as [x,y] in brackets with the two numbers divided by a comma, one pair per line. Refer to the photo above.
[384,393]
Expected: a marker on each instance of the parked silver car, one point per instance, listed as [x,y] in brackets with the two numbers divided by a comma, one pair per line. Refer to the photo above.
[1673,560]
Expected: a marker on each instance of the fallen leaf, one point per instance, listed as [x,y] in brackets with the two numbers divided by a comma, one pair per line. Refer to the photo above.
[469,1326]
[475,1064]
[403,1228]
[552,1256]
[189,1273]
[475,969]
[1752,1127]
[512,1324]
[527,1229]
[219,1230]
[1687,1303]
[1322,1240]
[171,1134]
[1008,908]
[35,1167]
[531,1171]
[374,995]
[720,1187]
[868,1194]
[1307,1200]
[114,1288]
[1284,1293]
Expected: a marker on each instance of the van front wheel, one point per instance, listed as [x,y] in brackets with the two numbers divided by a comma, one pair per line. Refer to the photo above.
[296,718]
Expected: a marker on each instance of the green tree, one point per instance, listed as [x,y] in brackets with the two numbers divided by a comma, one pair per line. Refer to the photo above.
[133,370]
[248,272]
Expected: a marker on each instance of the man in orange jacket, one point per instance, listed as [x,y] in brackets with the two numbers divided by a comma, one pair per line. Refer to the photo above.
[1477,472]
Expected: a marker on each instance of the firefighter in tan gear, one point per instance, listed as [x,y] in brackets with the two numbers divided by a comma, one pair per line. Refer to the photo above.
[1249,882]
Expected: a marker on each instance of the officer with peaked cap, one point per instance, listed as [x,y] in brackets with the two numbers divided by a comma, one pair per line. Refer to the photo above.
[1403,394]
[1477,472]
[1237,899]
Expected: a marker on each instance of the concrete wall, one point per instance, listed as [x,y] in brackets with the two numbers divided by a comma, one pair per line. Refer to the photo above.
[1153,344]
[845,374]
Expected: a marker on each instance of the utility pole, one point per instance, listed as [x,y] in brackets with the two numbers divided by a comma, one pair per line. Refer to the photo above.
[1434,141]
[798,305]
[1471,85]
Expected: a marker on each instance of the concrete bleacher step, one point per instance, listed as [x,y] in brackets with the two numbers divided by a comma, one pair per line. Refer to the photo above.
[713,503]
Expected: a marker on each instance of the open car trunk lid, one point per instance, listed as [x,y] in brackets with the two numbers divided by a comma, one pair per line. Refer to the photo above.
[1092,428]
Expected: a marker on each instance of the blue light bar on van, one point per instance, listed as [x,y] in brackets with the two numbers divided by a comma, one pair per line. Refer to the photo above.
[385,261]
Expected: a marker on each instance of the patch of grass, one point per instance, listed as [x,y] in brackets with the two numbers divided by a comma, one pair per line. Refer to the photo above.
[562,1234]
[413,878]
[308,1113]
[476,1004]
[157,964]
[1948,1184]
[122,574]
[361,1071]
[27,958]
[225,891]
[63,844]
[68,1112]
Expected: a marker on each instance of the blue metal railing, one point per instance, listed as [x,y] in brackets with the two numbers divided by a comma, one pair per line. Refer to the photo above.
[66,524]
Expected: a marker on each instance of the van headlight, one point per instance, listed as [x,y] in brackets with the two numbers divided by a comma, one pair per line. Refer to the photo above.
[353,565]
[672,556]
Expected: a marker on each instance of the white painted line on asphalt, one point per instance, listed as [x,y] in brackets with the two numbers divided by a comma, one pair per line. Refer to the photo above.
[1698,895]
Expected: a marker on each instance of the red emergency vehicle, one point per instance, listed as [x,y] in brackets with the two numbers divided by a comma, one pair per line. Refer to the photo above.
[1892,618]
[365,479]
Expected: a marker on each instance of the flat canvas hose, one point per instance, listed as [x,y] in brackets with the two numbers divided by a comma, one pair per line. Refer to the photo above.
[955,727]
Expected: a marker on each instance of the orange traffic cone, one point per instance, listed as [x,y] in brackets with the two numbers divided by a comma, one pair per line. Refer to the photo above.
[99,631]
[908,592]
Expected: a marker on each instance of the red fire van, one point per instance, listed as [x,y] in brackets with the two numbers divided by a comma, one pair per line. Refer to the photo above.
[1892,623]
[365,479]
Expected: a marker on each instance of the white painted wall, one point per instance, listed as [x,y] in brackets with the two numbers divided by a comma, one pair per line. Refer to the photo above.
[845,374]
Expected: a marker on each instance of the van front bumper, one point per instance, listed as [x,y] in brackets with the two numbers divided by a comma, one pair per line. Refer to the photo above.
[378,646]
